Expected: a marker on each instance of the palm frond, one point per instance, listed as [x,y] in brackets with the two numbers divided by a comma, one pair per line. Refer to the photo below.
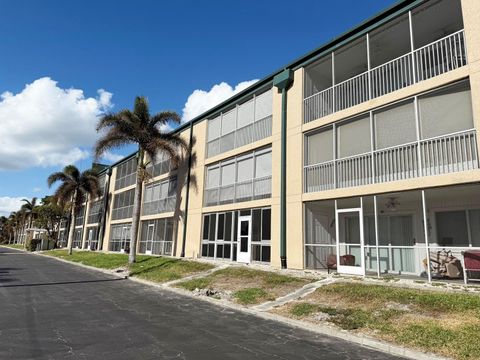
[164,117]
[57,176]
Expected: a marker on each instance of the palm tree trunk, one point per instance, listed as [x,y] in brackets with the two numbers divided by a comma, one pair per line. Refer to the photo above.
[132,256]
[71,225]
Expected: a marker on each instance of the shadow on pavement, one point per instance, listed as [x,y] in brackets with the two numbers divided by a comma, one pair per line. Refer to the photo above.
[60,283]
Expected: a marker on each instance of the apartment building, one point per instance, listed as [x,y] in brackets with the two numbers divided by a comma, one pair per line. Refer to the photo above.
[364,149]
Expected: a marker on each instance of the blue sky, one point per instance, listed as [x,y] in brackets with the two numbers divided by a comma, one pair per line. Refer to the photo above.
[164,50]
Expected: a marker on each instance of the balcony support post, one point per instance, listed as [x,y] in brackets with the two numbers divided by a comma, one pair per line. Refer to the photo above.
[282,82]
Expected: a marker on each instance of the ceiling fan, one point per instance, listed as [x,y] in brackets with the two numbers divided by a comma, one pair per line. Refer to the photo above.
[392,204]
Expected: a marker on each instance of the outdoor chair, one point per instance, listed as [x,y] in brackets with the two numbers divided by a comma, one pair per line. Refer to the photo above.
[347,260]
[471,263]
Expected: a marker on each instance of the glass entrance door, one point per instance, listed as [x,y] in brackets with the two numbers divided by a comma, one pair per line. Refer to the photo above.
[125,243]
[89,239]
[149,244]
[350,249]
[244,238]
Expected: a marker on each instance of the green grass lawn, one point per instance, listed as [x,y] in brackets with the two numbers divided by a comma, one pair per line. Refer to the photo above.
[152,268]
[444,323]
[248,286]
[14,246]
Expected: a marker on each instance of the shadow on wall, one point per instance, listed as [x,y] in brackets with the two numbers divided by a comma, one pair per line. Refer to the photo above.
[182,175]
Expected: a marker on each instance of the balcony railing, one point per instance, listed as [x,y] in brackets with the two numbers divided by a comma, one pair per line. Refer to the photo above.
[254,189]
[255,131]
[439,57]
[159,206]
[439,155]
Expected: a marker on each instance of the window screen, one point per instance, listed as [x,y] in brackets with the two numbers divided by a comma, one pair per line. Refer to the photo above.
[245,169]
[263,105]
[474,220]
[452,228]
[228,122]
[263,165]
[213,177]
[446,111]
[395,126]
[320,147]
[353,137]
[245,114]
[214,126]
[228,174]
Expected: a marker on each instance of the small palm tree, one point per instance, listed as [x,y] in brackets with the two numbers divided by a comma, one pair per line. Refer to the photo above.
[140,128]
[74,189]
[29,208]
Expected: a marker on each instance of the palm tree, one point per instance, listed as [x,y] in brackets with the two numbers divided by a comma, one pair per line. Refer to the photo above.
[144,130]
[29,210]
[74,189]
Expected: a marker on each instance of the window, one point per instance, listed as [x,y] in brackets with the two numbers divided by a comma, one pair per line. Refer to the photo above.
[95,212]
[245,123]
[161,165]
[126,173]
[446,111]
[123,205]
[77,238]
[395,125]
[452,228]
[353,137]
[247,177]
[160,197]
[319,147]
[80,216]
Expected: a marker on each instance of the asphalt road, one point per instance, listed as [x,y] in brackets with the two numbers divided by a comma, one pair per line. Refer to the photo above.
[52,310]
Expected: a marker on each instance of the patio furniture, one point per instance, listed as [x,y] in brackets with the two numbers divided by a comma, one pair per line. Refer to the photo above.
[347,260]
[444,265]
[471,263]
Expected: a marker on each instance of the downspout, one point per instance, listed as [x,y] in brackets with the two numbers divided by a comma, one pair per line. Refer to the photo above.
[105,208]
[282,82]
[187,192]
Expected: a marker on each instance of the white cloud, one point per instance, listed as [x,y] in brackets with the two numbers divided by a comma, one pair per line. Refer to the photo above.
[45,125]
[37,189]
[200,100]
[111,157]
[9,204]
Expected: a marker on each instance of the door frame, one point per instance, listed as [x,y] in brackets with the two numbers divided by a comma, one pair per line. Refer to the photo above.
[345,269]
[149,252]
[244,257]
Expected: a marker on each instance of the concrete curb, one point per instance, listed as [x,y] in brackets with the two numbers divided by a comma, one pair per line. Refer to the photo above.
[320,329]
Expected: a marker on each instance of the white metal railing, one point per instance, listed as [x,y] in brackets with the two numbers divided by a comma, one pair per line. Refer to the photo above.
[441,56]
[351,92]
[396,163]
[257,130]
[452,153]
[354,170]
[439,155]
[253,189]
[392,76]
[159,206]
[436,58]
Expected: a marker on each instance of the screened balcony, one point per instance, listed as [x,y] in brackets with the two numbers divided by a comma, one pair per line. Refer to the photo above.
[430,134]
[244,124]
[244,178]
[160,197]
[424,43]
[386,233]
